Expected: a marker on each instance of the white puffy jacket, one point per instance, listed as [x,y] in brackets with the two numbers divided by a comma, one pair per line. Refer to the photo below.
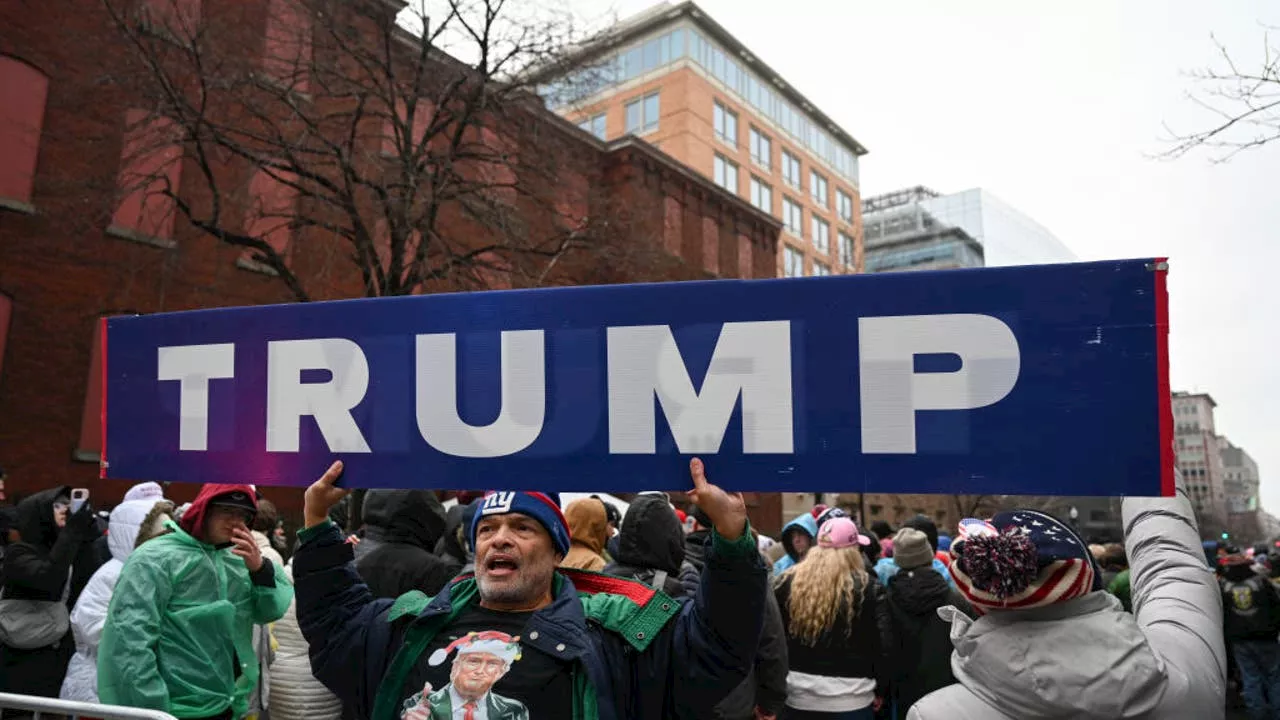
[90,612]
[295,693]
[1087,658]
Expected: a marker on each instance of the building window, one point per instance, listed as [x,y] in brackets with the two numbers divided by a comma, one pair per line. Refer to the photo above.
[792,262]
[876,509]
[761,194]
[844,206]
[726,174]
[846,250]
[594,125]
[726,122]
[818,188]
[271,214]
[791,169]
[791,217]
[642,114]
[761,149]
[821,234]
[150,171]
[23,90]
[287,50]
[820,269]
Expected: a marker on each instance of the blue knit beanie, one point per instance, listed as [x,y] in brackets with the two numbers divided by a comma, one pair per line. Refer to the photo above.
[543,507]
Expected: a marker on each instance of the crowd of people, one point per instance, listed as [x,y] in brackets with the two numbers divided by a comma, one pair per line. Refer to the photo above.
[503,605]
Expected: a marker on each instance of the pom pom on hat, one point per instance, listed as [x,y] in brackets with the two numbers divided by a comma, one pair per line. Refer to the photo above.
[1032,560]
[1001,565]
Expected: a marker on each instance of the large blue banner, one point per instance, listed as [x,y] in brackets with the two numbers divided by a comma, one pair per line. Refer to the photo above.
[1027,380]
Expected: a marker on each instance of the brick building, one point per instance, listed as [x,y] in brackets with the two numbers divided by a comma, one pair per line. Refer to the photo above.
[77,245]
[676,77]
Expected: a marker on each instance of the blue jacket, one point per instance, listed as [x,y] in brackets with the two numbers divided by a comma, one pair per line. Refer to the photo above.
[887,568]
[639,654]
[804,523]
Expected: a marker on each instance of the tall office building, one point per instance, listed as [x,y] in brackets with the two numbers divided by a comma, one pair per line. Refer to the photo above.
[921,229]
[1240,482]
[1199,458]
[679,80]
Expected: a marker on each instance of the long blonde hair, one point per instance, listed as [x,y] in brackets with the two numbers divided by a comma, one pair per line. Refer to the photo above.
[828,583]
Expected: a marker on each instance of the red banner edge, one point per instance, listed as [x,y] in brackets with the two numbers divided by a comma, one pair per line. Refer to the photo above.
[1164,389]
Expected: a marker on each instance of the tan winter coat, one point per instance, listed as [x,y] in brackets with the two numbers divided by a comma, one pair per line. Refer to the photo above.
[588,532]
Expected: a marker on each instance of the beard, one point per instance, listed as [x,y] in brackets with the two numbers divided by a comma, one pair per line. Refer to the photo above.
[528,583]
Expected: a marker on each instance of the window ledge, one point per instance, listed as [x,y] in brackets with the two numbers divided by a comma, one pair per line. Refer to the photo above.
[763,166]
[726,141]
[132,235]
[17,206]
[255,266]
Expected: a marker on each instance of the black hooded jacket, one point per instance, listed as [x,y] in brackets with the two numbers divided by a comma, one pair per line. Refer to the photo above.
[37,568]
[648,539]
[410,523]
[919,646]
[651,539]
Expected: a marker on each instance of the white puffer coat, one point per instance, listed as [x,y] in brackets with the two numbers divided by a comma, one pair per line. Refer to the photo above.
[124,530]
[295,693]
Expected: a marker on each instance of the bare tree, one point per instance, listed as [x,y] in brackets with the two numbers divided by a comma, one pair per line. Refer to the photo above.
[325,131]
[1244,102]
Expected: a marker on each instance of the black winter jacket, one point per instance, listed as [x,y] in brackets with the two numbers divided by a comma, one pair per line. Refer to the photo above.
[402,560]
[38,568]
[1250,605]
[919,648]
[852,648]
[699,651]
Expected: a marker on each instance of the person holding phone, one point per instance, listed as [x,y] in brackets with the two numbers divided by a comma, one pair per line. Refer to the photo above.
[44,573]
[179,631]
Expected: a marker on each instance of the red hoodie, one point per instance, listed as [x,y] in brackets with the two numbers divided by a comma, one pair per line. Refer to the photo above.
[193,519]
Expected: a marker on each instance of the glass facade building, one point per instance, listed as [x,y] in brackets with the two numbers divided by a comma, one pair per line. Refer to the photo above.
[919,229]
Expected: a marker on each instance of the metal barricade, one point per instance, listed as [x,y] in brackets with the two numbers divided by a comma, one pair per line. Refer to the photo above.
[39,706]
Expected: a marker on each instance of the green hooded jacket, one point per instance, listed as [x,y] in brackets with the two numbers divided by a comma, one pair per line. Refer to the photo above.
[181,617]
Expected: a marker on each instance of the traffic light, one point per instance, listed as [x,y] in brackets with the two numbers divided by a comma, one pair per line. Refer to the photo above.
[1226,535]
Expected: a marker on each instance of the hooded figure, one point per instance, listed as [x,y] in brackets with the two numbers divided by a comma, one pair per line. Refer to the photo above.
[402,560]
[588,532]
[133,522]
[919,642]
[651,547]
[48,563]
[179,634]
[1049,645]
[375,514]
[804,528]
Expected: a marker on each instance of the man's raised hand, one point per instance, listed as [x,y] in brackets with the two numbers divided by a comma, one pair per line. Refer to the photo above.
[727,511]
[322,496]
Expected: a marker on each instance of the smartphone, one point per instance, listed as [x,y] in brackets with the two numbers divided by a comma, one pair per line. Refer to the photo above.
[78,498]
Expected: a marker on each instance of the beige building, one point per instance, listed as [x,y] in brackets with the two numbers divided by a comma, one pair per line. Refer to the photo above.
[1200,460]
[676,78]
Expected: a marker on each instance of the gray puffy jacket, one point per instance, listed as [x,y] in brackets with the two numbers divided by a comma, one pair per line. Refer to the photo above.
[1087,658]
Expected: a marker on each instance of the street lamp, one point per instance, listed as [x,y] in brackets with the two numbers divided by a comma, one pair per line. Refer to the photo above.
[1073,513]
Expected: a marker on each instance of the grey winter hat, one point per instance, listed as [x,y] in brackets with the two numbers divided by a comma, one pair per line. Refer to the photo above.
[911,549]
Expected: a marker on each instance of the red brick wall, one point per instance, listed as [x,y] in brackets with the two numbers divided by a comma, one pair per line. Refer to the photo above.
[63,271]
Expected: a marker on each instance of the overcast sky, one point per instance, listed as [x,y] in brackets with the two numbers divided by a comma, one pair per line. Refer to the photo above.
[1055,107]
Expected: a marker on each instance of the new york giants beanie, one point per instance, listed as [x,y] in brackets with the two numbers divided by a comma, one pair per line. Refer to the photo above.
[543,507]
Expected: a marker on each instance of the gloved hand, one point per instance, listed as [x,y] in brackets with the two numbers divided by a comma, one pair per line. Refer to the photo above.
[83,523]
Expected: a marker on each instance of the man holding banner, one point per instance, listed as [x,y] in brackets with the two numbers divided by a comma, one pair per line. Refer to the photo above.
[591,646]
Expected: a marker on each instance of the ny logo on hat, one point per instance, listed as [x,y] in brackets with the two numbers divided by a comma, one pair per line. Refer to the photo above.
[497,503]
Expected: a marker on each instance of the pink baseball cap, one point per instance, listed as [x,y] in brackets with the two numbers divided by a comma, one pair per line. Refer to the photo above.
[840,532]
